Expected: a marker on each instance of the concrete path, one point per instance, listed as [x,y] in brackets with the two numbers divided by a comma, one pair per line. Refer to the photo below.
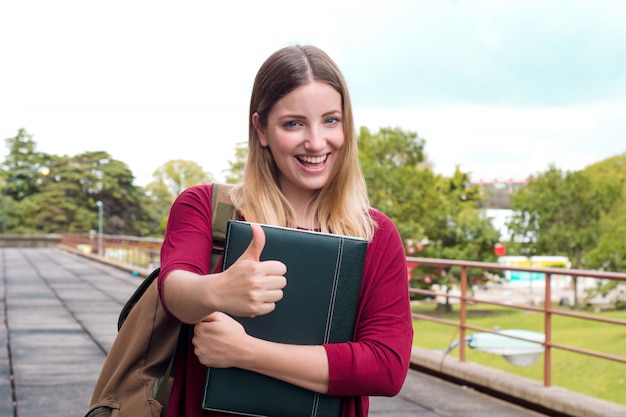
[58,318]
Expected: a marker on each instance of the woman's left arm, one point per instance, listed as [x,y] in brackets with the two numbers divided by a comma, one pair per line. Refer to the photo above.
[377,362]
[220,342]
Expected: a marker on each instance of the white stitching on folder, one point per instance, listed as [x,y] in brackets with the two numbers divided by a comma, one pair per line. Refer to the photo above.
[333,296]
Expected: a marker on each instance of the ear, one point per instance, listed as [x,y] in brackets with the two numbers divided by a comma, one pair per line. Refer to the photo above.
[259,130]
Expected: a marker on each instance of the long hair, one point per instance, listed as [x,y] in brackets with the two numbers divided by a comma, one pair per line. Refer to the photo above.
[342,205]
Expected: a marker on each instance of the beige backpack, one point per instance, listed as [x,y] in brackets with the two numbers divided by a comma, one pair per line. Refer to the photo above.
[136,377]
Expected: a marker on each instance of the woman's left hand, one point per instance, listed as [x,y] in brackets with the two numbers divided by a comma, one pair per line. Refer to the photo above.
[219,341]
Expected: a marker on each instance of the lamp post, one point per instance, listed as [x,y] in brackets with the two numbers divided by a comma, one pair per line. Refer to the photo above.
[40,169]
[100,226]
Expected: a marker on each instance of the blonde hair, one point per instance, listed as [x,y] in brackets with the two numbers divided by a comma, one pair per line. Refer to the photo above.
[342,205]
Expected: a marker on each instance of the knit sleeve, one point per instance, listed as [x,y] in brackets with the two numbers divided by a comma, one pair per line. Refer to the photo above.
[188,239]
[377,361]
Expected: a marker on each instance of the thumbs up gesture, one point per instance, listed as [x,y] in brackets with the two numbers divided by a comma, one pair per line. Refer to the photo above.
[252,287]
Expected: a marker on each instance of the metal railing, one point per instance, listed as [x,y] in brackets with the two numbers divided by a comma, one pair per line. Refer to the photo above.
[145,253]
[547,309]
[140,252]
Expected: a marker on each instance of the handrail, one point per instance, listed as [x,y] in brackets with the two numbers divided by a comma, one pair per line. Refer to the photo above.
[145,252]
[141,252]
[547,309]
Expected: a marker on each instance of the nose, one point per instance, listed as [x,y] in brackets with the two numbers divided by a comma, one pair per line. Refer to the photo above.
[315,140]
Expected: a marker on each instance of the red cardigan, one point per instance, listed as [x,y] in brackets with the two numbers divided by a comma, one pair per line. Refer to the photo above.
[376,363]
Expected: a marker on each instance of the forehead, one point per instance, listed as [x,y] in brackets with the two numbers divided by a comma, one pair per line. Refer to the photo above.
[314,97]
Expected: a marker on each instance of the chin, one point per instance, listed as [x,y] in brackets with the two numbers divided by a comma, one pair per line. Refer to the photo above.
[313,185]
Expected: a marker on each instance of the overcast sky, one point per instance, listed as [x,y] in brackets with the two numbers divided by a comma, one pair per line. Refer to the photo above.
[502,88]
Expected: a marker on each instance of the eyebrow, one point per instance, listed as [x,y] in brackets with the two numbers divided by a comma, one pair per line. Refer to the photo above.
[332,112]
[300,116]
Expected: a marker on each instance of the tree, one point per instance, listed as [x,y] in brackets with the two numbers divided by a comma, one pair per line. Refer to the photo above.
[169,180]
[22,165]
[610,254]
[609,171]
[558,213]
[393,164]
[65,200]
[610,251]
[78,182]
[22,151]
[234,174]
[462,231]
[436,215]
[177,174]
[158,202]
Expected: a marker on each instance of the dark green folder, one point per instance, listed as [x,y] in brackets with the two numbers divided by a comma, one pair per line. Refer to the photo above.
[324,274]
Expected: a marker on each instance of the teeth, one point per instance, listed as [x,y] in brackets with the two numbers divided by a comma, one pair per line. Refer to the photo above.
[313,159]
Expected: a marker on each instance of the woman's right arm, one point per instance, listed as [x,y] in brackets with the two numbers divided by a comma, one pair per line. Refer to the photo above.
[248,288]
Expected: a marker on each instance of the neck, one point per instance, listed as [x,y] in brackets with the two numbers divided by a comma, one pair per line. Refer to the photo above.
[303,219]
[300,201]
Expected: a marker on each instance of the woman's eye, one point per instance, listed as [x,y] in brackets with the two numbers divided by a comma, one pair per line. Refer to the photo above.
[331,120]
[291,123]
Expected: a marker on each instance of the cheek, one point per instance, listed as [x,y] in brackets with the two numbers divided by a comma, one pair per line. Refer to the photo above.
[336,140]
[283,142]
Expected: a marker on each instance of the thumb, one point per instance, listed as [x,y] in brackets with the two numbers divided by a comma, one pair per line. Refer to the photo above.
[253,252]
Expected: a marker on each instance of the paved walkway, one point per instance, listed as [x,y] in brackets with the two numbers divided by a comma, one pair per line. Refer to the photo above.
[58,317]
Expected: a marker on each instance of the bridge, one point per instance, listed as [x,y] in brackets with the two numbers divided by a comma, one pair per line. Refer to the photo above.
[59,314]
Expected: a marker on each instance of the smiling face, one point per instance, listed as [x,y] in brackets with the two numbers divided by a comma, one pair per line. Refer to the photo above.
[304,133]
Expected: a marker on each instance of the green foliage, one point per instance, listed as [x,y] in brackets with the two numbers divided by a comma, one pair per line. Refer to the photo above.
[157,201]
[21,151]
[559,213]
[463,232]
[234,174]
[169,180]
[76,185]
[398,185]
[610,252]
[177,174]
[65,200]
[575,214]
[22,167]
[609,171]
[440,213]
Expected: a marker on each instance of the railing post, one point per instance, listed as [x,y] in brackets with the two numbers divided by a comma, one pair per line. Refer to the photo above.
[463,313]
[547,315]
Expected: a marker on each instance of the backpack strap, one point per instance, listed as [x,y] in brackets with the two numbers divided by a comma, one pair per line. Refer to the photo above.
[223,210]
[141,289]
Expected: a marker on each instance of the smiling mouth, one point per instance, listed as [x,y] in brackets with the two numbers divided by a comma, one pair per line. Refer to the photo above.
[312,160]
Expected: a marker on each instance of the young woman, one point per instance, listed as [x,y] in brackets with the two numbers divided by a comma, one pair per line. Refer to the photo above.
[302,172]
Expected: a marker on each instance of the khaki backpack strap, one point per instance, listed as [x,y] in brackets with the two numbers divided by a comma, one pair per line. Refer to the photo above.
[162,394]
[223,210]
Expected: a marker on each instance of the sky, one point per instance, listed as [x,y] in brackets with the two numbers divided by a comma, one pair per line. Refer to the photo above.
[500,88]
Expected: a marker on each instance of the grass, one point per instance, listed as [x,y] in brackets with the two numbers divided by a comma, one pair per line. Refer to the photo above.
[576,372]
